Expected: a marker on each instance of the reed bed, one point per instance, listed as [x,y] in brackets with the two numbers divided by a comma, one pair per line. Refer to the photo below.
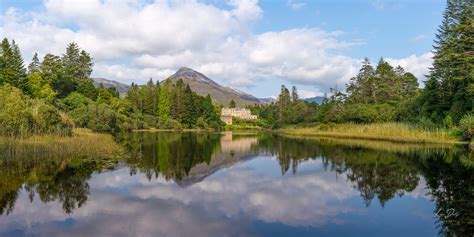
[393,132]
[83,143]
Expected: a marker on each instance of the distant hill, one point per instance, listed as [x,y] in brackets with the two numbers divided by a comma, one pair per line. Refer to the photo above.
[317,99]
[121,88]
[267,100]
[200,84]
[203,85]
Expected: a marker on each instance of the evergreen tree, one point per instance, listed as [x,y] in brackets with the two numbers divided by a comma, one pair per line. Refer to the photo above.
[72,61]
[34,66]
[208,111]
[12,68]
[150,98]
[52,72]
[453,62]
[134,97]
[164,104]
[188,117]
[87,88]
[361,88]
[283,105]
[294,95]
[77,66]
[232,104]
[85,65]
[177,102]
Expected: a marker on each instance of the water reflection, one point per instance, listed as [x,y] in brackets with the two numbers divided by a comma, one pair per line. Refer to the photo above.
[238,184]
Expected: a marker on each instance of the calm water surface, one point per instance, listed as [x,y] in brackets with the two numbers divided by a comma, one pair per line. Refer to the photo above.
[188,184]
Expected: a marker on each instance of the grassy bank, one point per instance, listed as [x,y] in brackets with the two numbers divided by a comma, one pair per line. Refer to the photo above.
[84,143]
[393,132]
[173,130]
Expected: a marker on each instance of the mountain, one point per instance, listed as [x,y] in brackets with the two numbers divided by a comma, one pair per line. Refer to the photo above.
[203,85]
[267,100]
[121,88]
[317,99]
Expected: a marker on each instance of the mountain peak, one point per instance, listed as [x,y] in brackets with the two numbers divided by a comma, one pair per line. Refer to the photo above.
[185,69]
[203,85]
[185,72]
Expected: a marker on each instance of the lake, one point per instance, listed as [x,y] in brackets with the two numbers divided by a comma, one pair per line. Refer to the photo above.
[240,184]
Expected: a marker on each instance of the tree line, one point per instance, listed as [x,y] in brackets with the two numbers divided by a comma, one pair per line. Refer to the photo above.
[56,93]
[384,93]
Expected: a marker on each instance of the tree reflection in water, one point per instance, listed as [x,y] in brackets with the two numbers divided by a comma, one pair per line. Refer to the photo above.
[380,171]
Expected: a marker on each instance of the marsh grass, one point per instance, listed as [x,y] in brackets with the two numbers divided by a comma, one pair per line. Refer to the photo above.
[392,132]
[83,143]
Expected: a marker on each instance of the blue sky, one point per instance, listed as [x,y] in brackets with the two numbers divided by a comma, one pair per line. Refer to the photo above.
[251,45]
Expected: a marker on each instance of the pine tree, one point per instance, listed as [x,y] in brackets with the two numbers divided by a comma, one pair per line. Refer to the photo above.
[34,66]
[177,102]
[294,95]
[361,88]
[85,65]
[283,105]
[188,117]
[77,66]
[149,98]
[232,104]
[134,97]
[207,110]
[12,68]
[164,104]
[453,63]
[87,88]
[5,63]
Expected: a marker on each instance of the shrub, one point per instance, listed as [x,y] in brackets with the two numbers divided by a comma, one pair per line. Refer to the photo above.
[448,121]
[364,113]
[426,124]
[170,124]
[47,119]
[21,116]
[150,121]
[466,124]
[74,101]
[98,117]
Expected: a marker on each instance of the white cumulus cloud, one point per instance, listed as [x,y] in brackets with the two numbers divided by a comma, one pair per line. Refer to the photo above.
[133,40]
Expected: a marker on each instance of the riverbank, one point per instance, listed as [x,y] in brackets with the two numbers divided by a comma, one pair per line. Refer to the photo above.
[392,132]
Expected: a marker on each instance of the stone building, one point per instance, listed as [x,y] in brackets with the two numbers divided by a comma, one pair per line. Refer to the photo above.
[228,113]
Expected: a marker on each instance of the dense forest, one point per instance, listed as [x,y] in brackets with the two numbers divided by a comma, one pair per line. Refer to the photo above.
[55,94]
[385,93]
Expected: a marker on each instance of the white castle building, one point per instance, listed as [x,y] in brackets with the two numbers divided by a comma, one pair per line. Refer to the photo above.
[228,113]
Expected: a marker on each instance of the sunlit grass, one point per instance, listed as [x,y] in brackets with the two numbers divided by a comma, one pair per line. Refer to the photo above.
[83,143]
[394,132]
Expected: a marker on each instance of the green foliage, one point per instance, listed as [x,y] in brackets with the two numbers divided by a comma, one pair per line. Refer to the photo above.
[164,104]
[98,117]
[75,100]
[64,82]
[232,104]
[362,113]
[448,90]
[12,68]
[21,116]
[87,88]
[467,126]
[448,121]
[38,88]
[385,84]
